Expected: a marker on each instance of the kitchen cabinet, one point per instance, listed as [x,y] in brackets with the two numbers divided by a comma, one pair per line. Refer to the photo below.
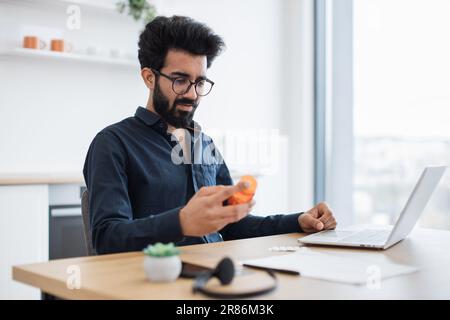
[23,234]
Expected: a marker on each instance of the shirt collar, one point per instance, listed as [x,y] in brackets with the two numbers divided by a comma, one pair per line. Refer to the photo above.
[148,117]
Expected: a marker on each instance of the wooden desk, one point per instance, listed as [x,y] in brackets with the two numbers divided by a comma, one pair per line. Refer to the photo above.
[121,276]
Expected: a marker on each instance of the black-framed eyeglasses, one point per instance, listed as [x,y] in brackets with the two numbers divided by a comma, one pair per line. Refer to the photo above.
[181,85]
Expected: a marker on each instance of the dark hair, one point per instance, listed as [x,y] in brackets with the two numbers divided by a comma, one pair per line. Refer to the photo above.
[176,32]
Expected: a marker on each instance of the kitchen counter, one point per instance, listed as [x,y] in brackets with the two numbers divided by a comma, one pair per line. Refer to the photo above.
[41,178]
[73,177]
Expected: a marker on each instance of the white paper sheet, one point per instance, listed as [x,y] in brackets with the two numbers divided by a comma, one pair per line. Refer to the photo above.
[350,268]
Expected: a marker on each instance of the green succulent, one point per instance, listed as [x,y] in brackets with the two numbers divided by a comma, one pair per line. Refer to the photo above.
[161,250]
[138,9]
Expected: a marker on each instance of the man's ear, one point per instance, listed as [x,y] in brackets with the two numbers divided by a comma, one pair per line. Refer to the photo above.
[149,78]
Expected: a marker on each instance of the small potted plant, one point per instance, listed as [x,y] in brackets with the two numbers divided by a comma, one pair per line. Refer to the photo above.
[140,10]
[162,262]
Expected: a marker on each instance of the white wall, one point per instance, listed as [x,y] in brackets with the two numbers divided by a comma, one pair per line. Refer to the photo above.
[298,101]
[247,92]
[50,110]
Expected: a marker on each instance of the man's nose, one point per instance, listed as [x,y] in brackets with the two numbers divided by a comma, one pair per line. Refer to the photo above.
[191,93]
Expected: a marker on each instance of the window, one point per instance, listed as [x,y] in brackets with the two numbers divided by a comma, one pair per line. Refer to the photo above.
[401,106]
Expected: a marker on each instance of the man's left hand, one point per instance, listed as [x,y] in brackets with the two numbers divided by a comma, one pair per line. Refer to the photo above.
[317,219]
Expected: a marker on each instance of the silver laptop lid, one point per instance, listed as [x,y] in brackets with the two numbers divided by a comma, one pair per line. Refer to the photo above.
[416,203]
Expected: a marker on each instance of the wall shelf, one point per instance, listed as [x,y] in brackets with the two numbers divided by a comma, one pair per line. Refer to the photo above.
[98,4]
[63,56]
[106,5]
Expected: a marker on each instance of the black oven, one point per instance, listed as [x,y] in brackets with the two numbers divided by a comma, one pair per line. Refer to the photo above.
[66,238]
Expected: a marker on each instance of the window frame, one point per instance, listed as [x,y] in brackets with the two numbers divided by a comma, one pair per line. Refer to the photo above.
[333,107]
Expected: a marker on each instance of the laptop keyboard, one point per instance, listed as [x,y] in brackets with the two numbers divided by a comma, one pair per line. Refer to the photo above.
[368,237]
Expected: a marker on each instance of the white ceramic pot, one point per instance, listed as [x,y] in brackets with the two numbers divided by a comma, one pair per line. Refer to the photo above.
[162,269]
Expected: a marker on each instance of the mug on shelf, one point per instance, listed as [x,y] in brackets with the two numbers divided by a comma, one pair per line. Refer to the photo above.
[94,51]
[33,42]
[116,53]
[59,45]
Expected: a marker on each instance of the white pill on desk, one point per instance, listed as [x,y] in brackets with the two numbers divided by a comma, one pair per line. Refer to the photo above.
[284,249]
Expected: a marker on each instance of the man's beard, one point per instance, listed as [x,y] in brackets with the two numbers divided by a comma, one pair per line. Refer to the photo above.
[172,116]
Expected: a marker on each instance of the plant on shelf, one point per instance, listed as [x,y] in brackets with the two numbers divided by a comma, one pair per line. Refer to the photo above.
[140,10]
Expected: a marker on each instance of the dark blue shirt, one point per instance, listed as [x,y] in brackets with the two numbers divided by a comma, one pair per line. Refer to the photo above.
[138,182]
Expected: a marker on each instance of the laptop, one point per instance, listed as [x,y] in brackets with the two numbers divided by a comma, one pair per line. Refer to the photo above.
[383,238]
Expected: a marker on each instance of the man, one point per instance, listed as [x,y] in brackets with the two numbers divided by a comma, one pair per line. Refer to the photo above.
[139,190]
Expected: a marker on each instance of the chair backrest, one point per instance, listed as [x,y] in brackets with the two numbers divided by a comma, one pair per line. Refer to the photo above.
[87,223]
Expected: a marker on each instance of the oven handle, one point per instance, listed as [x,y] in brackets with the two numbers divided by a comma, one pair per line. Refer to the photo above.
[65,212]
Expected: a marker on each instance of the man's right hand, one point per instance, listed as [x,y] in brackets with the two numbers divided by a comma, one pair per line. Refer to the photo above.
[205,212]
